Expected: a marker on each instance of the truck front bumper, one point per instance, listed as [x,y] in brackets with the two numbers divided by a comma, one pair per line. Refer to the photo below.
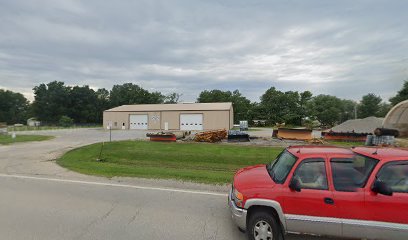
[238,214]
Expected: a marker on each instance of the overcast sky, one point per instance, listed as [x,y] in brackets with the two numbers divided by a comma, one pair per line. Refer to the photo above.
[343,48]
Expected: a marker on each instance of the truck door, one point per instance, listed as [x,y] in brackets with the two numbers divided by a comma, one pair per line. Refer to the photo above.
[312,210]
[350,174]
[389,218]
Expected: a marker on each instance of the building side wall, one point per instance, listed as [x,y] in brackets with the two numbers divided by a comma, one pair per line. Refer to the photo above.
[120,118]
[211,119]
[156,120]
[216,120]
[231,118]
[172,118]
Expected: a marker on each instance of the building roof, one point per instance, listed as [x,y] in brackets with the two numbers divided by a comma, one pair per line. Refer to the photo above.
[397,118]
[365,125]
[397,114]
[172,107]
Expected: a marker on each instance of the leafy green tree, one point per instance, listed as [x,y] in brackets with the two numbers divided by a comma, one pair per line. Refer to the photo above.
[384,109]
[326,109]
[102,103]
[349,110]
[208,96]
[402,95]
[66,121]
[83,105]
[305,97]
[242,107]
[255,112]
[369,106]
[13,107]
[289,107]
[172,98]
[155,98]
[51,101]
[271,107]
[130,93]
[241,104]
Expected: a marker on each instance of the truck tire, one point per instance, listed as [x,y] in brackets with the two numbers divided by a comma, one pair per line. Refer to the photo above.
[263,226]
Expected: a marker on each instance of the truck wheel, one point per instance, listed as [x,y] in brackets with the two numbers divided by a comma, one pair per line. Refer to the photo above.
[263,226]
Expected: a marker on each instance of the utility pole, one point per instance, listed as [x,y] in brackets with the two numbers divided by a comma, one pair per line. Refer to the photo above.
[355,111]
[110,131]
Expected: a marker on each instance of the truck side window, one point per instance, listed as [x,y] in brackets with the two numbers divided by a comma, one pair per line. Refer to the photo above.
[351,173]
[311,174]
[395,175]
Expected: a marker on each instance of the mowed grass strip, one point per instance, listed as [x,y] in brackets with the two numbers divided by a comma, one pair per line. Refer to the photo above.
[41,128]
[7,139]
[197,162]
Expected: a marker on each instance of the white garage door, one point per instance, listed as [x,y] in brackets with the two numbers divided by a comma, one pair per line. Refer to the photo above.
[191,121]
[138,121]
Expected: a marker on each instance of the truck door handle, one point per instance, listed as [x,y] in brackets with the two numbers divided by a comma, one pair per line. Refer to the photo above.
[329,201]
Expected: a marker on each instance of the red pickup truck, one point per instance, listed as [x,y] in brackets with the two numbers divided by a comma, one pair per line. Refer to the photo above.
[353,193]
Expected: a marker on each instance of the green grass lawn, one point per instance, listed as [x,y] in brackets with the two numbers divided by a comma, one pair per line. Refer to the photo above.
[6,139]
[39,128]
[197,162]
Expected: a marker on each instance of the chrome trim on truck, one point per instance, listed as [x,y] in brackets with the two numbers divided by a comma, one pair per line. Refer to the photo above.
[238,214]
[350,227]
[314,225]
[374,229]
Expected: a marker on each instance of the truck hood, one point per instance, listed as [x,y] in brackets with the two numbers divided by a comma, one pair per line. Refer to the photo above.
[253,178]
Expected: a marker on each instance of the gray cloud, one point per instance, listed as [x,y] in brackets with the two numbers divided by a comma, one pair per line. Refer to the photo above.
[345,48]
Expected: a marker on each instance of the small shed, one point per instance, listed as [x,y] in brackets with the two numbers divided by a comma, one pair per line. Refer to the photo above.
[33,122]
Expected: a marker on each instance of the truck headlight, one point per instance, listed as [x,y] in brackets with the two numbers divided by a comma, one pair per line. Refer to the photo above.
[238,198]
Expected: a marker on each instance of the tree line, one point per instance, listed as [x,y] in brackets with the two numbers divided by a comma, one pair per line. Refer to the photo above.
[55,101]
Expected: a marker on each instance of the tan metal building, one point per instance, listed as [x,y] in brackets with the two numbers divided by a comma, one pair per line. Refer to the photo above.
[184,116]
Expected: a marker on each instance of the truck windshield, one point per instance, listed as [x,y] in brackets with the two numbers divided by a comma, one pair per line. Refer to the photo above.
[280,168]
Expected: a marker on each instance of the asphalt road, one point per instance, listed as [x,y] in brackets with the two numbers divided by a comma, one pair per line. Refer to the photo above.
[41,200]
[40,208]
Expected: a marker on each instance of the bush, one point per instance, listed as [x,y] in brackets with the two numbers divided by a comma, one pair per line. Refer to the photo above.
[66,121]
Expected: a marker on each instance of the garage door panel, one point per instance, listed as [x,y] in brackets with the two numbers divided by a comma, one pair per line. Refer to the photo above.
[191,121]
[138,122]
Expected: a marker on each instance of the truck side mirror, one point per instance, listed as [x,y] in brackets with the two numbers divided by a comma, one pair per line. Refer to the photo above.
[381,187]
[294,185]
